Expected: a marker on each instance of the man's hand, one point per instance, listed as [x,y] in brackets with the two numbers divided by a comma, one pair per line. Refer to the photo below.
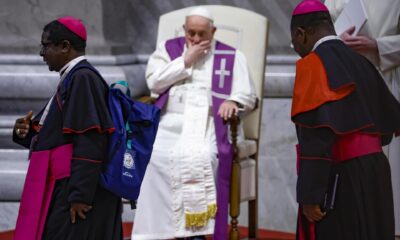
[227,109]
[359,43]
[21,126]
[313,212]
[348,33]
[195,52]
[79,209]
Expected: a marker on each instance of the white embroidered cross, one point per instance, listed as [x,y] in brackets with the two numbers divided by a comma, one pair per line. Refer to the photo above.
[222,73]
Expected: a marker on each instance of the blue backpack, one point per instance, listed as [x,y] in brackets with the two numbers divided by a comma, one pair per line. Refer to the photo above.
[131,145]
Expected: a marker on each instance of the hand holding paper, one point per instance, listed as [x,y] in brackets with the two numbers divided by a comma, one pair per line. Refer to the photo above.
[353,15]
[358,43]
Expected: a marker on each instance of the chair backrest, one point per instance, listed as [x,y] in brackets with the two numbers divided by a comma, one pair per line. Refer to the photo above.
[239,28]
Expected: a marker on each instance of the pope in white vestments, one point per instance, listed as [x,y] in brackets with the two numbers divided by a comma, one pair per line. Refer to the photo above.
[379,41]
[179,186]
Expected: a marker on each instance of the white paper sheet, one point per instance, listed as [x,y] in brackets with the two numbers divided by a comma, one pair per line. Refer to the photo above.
[353,14]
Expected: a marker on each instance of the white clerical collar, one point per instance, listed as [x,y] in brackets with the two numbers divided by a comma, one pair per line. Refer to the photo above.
[324,39]
[67,67]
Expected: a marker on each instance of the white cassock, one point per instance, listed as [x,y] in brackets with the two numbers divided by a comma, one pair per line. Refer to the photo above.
[181,174]
[383,24]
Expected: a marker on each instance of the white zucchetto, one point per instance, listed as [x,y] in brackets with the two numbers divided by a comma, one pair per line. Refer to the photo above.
[201,11]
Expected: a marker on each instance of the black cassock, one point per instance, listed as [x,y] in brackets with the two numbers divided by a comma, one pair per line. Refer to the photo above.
[363,201]
[79,115]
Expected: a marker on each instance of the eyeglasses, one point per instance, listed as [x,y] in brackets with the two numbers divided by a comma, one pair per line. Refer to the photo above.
[45,45]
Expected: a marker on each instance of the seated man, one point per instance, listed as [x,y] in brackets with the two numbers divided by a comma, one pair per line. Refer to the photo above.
[206,82]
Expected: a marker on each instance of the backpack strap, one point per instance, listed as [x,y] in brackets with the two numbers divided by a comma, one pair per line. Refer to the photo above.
[78,67]
[61,96]
[128,133]
[127,127]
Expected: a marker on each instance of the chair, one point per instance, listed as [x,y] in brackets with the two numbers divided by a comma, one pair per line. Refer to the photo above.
[246,31]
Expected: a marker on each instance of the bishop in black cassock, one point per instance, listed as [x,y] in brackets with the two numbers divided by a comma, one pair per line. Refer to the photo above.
[62,198]
[344,113]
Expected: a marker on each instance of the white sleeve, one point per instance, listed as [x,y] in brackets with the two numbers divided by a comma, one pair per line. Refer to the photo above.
[389,51]
[242,86]
[388,46]
[161,72]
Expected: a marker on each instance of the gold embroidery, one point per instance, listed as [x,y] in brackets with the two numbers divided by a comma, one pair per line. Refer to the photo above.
[201,219]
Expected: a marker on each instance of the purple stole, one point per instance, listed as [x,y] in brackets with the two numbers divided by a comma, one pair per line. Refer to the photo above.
[224,58]
[45,168]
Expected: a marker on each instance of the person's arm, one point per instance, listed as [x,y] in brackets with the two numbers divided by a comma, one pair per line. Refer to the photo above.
[389,51]
[243,91]
[386,48]
[243,96]
[314,169]
[87,121]
[162,73]
[88,156]
[22,131]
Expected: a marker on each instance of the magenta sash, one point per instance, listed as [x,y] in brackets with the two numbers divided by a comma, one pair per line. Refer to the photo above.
[44,169]
[346,147]
[222,75]
[354,145]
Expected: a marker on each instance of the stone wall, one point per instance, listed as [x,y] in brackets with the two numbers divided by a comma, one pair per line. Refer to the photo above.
[121,26]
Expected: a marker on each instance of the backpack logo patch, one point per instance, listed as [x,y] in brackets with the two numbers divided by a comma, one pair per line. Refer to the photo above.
[129,162]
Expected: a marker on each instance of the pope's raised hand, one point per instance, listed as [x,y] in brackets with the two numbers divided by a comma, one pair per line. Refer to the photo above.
[195,52]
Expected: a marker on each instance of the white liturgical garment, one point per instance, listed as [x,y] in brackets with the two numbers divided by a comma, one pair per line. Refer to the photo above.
[180,177]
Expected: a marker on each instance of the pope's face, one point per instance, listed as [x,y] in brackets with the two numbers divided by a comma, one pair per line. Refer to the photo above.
[198,29]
